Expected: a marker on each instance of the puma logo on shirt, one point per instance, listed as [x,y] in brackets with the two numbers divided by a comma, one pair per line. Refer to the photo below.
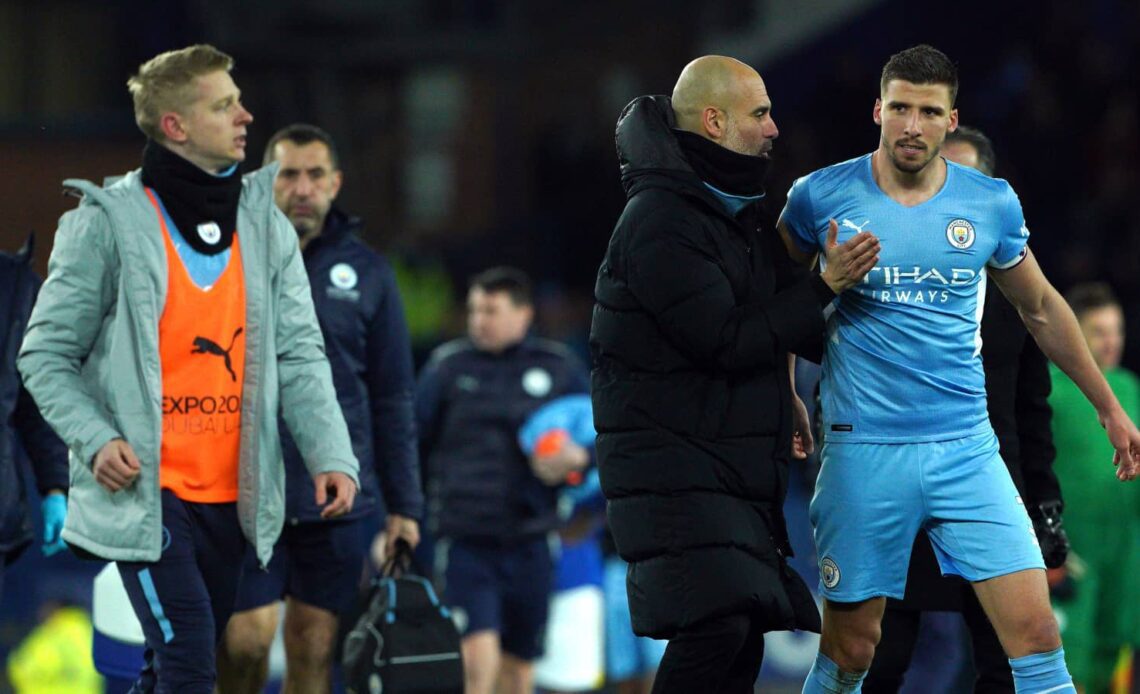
[204,345]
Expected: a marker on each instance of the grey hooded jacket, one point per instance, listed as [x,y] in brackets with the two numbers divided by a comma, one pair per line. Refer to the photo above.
[90,359]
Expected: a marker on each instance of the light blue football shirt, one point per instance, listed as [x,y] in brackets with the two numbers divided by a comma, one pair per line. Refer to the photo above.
[204,270]
[903,360]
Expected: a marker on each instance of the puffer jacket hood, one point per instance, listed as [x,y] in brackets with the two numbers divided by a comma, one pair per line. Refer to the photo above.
[649,154]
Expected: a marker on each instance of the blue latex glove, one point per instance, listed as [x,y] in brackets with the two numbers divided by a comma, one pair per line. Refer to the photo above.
[54,509]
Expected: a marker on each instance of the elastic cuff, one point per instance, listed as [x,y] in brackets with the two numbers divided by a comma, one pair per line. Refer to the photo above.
[413,513]
[822,291]
[89,449]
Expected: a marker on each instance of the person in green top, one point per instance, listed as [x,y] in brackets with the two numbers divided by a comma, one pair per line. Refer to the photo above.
[1102,516]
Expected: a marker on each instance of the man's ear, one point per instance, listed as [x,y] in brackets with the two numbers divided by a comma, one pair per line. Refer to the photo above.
[877,113]
[713,122]
[170,123]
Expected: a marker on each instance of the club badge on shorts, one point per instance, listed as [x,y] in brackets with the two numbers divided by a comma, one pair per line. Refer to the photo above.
[829,573]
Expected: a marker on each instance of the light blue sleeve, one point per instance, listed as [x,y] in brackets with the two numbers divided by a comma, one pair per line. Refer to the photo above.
[570,412]
[799,216]
[1013,234]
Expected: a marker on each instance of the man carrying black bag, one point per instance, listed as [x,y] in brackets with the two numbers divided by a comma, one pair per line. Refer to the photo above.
[404,642]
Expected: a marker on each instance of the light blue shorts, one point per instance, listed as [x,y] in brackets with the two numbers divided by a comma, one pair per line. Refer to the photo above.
[871,500]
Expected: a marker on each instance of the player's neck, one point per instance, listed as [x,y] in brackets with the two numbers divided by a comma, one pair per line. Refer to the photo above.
[908,188]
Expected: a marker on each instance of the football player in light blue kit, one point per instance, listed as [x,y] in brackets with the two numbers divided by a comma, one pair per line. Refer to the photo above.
[907,441]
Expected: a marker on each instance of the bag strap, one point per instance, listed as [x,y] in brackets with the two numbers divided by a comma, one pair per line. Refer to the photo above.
[402,562]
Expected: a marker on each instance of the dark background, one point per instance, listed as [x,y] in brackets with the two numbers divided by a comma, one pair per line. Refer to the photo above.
[480,132]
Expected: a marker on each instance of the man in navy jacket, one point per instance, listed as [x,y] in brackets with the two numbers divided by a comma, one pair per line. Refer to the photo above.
[317,563]
[21,421]
[493,506]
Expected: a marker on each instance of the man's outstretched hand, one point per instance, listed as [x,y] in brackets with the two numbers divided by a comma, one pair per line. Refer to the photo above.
[803,443]
[337,490]
[1125,440]
[850,261]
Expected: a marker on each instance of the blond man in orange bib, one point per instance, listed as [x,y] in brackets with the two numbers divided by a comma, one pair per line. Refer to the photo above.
[175,324]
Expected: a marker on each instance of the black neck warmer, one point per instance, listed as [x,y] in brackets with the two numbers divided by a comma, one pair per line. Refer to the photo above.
[202,206]
[720,167]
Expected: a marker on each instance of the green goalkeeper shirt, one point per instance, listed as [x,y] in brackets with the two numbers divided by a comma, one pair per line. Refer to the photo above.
[1084,454]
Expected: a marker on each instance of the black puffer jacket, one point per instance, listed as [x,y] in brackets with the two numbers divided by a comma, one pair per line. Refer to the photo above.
[695,313]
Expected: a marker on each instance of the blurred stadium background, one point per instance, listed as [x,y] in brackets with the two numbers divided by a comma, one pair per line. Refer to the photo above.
[479,132]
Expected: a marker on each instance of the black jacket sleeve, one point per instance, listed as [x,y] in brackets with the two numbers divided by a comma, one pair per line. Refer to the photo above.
[682,285]
[390,389]
[789,273]
[1034,425]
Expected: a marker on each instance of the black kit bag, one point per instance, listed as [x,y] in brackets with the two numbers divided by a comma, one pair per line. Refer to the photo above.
[404,642]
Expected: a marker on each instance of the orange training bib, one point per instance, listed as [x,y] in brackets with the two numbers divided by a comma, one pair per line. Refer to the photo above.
[201,345]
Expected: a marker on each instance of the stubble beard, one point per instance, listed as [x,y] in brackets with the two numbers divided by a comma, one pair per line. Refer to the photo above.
[304,228]
[911,167]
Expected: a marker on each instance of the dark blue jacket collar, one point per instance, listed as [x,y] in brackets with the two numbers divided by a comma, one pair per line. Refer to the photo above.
[338,225]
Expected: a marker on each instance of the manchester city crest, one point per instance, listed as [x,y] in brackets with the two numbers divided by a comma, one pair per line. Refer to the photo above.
[829,572]
[210,232]
[960,234]
[342,276]
[537,382]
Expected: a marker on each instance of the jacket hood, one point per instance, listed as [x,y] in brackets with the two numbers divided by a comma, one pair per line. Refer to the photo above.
[27,252]
[103,195]
[257,186]
[648,152]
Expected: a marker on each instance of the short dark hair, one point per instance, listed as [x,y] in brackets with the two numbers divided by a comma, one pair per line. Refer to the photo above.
[987,160]
[921,64]
[302,134]
[505,279]
[1090,296]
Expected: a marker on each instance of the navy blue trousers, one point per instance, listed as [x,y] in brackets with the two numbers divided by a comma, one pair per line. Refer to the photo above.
[184,599]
